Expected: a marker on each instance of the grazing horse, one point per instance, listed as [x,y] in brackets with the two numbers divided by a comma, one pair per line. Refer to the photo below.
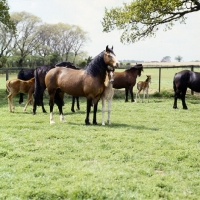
[183,80]
[143,85]
[87,82]
[15,86]
[107,95]
[127,79]
[24,74]
[40,73]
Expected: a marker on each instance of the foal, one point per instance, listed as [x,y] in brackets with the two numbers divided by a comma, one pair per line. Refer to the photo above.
[107,95]
[16,86]
[143,85]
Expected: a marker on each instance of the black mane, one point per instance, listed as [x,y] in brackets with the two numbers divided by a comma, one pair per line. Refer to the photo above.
[137,66]
[97,66]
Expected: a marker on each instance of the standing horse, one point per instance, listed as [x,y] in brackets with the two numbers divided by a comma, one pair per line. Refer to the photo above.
[127,80]
[24,74]
[183,80]
[107,95]
[88,82]
[15,86]
[143,85]
[40,73]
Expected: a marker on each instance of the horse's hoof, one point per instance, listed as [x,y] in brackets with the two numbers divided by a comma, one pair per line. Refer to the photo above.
[95,123]
[72,110]
[185,108]
[175,107]
[52,122]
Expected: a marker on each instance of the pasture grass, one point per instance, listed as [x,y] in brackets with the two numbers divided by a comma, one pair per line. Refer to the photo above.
[150,151]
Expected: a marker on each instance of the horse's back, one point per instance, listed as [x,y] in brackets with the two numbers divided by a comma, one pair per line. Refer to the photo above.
[187,78]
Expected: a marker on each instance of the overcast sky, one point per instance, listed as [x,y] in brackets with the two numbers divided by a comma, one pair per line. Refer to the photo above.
[183,39]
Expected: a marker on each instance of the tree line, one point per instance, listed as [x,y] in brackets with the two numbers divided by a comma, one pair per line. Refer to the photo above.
[31,42]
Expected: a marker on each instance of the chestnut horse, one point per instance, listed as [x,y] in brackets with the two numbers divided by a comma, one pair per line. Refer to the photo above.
[143,85]
[107,95]
[16,86]
[183,80]
[127,79]
[87,82]
[25,75]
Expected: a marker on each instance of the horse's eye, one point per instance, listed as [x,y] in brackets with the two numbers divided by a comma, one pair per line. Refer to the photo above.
[109,56]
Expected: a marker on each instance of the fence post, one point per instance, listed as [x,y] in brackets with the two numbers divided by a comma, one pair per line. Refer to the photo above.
[159,79]
[7,74]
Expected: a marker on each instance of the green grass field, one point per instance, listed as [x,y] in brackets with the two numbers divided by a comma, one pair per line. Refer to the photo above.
[150,151]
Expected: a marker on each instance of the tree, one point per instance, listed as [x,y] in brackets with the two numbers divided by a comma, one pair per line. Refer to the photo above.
[142,18]
[178,58]
[26,39]
[166,59]
[6,43]
[5,16]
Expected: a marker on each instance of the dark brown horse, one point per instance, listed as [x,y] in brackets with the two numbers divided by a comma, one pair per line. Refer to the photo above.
[183,80]
[127,80]
[39,74]
[88,82]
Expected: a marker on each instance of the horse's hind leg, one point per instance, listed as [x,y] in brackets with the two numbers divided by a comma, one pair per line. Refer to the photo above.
[10,103]
[126,95]
[183,100]
[132,98]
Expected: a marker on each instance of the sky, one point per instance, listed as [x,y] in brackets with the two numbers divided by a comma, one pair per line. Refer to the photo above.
[183,40]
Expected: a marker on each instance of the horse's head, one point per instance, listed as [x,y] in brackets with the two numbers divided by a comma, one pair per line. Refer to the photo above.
[110,59]
[140,68]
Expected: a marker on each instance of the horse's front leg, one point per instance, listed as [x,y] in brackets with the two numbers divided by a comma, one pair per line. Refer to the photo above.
[87,119]
[103,112]
[95,114]
[126,94]
[109,110]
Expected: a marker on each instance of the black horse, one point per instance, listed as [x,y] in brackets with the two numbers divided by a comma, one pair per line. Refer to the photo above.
[40,73]
[25,75]
[183,80]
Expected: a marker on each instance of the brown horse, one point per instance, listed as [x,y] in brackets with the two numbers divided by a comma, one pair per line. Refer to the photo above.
[16,86]
[87,82]
[127,80]
[143,85]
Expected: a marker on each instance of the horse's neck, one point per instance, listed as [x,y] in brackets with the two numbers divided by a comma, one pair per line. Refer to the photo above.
[97,67]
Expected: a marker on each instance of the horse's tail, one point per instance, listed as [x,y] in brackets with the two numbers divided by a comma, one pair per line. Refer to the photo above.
[37,88]
[174,85]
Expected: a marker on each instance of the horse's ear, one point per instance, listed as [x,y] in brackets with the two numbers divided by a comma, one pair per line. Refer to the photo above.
[107,48]
[112,48]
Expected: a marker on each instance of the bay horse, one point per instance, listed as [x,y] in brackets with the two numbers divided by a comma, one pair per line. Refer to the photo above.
[127,80]
[39,74]
[24,74]
[15,86]
[87,82]
[143,85]
[183,80]
[107,95]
